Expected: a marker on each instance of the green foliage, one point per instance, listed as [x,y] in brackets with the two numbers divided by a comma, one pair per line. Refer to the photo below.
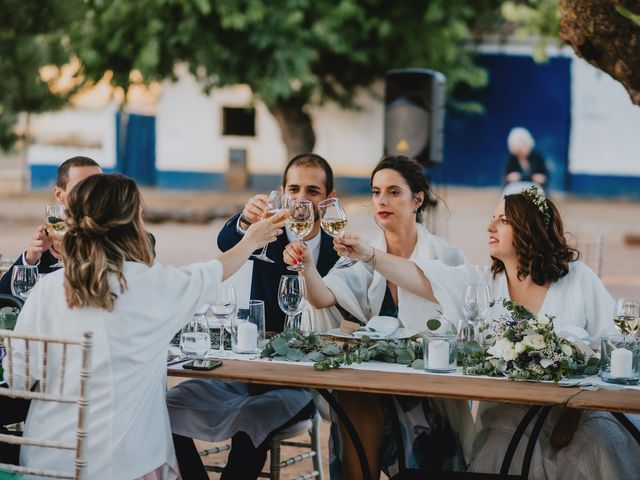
[32,35]
[326,354]
[535,18]
[8,318]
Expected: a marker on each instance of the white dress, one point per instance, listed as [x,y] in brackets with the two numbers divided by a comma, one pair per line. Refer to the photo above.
[129,434]
[601,447]
[360,291]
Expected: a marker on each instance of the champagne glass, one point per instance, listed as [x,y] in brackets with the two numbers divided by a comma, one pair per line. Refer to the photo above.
[223,310]
[54,225]
[333,220]
[291,298]
[23,279]
[300,223]
[476,307]
[274,206]
[627,316]
[194,338]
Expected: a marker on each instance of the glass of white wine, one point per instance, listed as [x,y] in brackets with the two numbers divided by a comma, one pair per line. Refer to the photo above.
[300,223]
[274,206]
[333,220]
[54,225]
[627,316]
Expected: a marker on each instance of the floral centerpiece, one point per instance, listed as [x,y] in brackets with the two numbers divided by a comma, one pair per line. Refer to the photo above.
[526,347]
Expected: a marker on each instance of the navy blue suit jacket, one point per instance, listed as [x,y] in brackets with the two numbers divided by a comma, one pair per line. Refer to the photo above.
[266,276]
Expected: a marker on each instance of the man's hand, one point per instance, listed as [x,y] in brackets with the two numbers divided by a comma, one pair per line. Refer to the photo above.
[39,243]
[255,208]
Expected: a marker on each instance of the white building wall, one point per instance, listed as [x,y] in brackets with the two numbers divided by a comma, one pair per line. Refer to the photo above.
[189,132]
[71,132]
[605,125]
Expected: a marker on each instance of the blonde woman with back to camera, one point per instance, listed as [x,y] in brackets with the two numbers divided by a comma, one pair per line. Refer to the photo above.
[110,285]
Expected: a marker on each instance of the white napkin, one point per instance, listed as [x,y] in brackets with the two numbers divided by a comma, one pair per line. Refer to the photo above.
[378,327]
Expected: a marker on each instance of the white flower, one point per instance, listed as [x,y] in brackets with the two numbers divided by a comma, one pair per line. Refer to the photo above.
[503,349]
[566,349]
[535,341]
[543,321]
[546,362]
[520,347]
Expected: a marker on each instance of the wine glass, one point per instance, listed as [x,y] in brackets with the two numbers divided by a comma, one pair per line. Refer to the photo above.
[333,220]
[274,206]
[476,307]
[54,225]
[223,310]
[627,316]
[300,223]
[291,298]
[194,338]
[23,279]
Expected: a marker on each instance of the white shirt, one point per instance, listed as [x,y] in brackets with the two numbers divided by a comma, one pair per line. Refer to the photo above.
[129,432]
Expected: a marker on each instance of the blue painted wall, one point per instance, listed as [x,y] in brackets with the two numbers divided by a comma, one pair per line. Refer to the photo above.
[520,92]
[138,157]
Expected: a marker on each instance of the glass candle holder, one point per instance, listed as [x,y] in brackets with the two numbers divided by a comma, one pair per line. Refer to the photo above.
[620,359]
[248,329]
[440,352]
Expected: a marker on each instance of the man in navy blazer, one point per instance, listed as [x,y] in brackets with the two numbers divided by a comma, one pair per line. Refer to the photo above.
[42,247]
[306,177]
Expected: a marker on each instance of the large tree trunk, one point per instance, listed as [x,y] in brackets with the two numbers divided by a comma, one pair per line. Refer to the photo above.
[606,33]
[295,125]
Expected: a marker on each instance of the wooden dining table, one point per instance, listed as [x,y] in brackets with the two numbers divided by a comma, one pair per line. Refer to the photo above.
[540,397]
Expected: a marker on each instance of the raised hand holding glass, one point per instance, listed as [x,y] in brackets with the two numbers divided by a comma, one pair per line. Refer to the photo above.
[54,224]
[333,220]
[300,223]
[274,206]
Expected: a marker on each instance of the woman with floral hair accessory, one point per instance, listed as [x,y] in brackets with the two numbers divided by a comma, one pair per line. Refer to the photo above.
[533,266]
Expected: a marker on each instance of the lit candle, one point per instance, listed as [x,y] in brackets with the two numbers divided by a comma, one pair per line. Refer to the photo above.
[621,362]
[438,355]
[247,337]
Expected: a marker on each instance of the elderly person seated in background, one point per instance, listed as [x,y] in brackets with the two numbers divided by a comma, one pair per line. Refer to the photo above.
[400,193]
[524,165]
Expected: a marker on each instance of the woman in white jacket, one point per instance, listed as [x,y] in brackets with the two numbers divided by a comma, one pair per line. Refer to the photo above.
[110,285]
[435,431]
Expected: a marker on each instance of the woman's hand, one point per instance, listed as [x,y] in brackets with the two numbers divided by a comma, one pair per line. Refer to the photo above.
[265,231]
[352,246]
[296,253]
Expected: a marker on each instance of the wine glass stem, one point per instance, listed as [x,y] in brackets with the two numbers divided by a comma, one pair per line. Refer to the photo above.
[221,337]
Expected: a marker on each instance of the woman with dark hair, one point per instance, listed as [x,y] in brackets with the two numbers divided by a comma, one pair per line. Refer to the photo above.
[112,286]
[533,266]
[400,193]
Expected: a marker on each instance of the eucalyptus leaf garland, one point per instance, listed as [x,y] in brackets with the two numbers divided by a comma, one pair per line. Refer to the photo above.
[325,353]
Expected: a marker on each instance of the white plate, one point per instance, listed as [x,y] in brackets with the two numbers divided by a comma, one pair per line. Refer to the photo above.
[399,334]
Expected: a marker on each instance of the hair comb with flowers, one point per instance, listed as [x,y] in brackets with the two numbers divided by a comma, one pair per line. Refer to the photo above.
[539,200]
